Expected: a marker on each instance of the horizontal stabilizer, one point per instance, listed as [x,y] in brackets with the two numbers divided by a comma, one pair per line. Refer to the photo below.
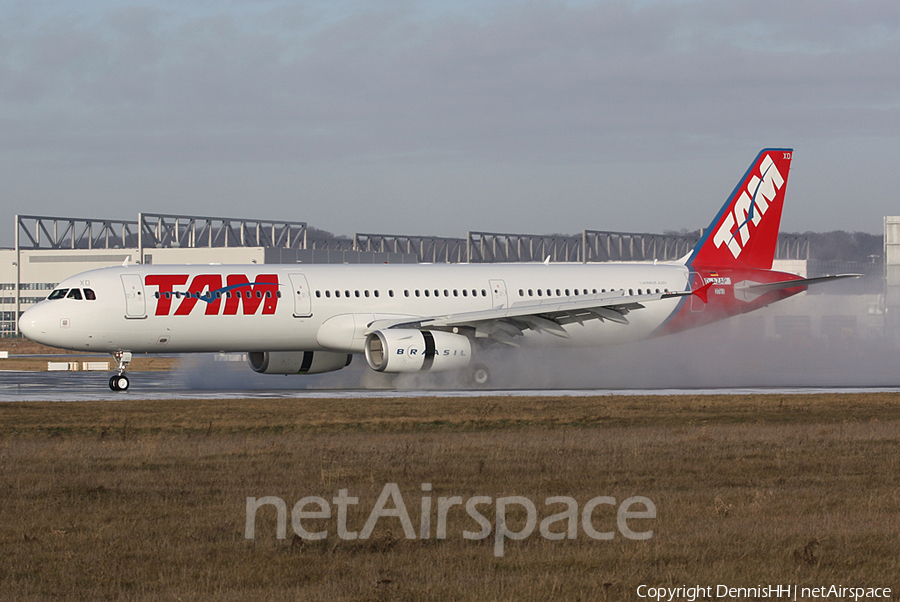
[751,290]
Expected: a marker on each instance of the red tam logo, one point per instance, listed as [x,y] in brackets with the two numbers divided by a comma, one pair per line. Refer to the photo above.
[238,293]
[749,208]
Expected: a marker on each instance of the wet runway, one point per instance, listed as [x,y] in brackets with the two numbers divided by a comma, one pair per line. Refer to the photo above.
[93,386]
[707,362]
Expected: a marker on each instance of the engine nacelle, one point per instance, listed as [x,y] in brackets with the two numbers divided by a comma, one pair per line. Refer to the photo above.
[409,350]
[297,362]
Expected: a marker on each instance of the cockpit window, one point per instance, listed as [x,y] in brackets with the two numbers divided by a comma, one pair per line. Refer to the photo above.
[59,293]
[89,294]
[75,293]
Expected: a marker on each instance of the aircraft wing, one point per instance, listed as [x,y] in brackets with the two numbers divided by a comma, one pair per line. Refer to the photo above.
[545,315]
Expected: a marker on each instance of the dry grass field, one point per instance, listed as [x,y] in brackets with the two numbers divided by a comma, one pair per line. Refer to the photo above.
[146,500]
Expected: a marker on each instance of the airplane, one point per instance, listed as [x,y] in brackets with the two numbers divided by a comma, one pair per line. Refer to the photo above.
[310,319]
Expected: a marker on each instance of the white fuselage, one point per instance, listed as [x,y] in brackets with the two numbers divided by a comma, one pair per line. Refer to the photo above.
[325,307]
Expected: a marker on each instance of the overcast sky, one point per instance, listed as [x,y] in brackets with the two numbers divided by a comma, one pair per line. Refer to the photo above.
[442,117]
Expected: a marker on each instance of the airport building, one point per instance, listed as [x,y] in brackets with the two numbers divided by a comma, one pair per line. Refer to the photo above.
[50,249]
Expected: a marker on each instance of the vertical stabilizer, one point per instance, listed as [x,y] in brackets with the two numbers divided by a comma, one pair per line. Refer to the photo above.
[745,232]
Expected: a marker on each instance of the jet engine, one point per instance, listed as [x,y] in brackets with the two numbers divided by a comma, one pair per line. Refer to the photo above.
[409,350]
[297,362]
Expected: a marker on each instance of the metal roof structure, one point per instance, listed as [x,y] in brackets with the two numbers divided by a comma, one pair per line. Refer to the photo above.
[158,230]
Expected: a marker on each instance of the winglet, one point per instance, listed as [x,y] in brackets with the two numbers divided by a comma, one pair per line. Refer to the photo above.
[703,292]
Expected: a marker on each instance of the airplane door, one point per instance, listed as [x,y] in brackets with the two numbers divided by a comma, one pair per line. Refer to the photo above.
[302,298]
[135,305]
[498,293]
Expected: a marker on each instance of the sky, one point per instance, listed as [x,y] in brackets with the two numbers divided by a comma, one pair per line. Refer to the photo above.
[436,118]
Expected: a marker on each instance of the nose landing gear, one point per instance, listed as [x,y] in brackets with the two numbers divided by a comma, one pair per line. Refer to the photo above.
[119,381]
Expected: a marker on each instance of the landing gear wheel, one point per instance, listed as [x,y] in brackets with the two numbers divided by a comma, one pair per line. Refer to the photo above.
[119,382]
[481,376]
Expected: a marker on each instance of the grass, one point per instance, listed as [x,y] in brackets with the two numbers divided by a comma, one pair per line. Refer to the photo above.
[145,500]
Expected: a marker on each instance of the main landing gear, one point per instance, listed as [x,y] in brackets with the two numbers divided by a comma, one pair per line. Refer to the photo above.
[479,375]
[119,381]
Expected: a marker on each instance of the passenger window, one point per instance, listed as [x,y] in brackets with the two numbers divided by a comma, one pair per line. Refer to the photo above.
[75,293]
[357,294]
[558,293]
[530,292]
[539,293]
[446,293]
[567,292]
[89,295]
[406,292]
[427,292]
[483,293]
[455,293]
[318,294]
[376,292]
[465,292]
[630,292]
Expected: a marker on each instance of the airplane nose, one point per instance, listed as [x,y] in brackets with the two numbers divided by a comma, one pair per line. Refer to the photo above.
[35,324]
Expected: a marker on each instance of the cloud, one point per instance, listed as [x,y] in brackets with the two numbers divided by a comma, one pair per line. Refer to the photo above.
[159,85]
[520,81]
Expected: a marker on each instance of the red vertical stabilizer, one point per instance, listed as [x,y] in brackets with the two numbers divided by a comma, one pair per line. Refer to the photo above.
[745,232]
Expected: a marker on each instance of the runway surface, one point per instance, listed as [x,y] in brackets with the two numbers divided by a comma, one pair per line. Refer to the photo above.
[707,362]
[92,386]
